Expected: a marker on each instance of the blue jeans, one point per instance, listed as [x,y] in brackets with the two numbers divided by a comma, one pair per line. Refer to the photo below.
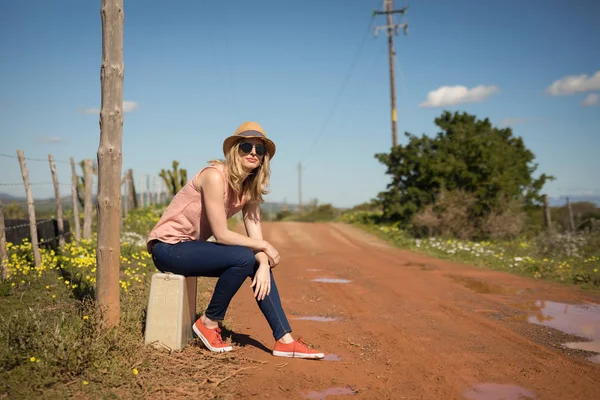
[232,265]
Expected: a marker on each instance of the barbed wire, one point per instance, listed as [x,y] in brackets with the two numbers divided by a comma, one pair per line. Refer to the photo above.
[9,228]
[33,183]
[34,159]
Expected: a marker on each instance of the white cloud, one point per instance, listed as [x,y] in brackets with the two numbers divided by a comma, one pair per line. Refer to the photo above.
[513,121]
[592,99]
[453,95]
[573,84]
[50,139]
[90,111]
[128,107]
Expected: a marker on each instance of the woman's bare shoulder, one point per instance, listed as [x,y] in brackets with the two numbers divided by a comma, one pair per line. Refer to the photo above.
[209,176]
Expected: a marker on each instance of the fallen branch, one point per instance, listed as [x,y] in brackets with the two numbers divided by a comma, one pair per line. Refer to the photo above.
[217,383]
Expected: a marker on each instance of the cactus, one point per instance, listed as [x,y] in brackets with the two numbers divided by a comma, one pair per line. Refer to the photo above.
[175,179]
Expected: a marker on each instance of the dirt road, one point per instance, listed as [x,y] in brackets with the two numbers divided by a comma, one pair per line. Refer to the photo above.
[406,326]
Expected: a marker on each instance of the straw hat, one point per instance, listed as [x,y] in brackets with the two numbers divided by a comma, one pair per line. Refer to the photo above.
[246,130]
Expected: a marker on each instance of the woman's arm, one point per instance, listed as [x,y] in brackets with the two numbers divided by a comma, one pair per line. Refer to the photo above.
[251,214]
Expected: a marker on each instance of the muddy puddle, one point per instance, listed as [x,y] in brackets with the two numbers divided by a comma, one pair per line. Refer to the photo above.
[479,286]
[336,391]
[497,391]
[331,280]
[577,320]
[316,318]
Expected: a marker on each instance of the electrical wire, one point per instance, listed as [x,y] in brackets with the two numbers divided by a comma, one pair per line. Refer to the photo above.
[342,89]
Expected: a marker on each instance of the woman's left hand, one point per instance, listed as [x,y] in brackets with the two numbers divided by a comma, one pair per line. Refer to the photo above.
[262,281]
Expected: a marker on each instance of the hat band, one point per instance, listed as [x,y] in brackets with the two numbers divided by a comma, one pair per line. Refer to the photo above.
[251,133]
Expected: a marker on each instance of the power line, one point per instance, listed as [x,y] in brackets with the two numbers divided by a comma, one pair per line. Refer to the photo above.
[341,91]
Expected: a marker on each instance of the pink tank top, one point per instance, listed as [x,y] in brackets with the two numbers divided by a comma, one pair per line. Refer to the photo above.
[185,219]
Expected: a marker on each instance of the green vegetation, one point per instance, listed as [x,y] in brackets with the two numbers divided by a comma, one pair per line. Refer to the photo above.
[469,194]
[570,258]
[51,342]
[469,156]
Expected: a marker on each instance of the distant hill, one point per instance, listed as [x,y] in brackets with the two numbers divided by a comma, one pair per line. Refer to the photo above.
[561,201]
[8,198]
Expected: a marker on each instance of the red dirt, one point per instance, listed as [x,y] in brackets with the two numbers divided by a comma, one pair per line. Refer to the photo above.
[409,327]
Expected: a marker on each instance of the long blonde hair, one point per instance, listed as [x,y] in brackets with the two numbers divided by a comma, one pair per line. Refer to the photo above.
[251,185]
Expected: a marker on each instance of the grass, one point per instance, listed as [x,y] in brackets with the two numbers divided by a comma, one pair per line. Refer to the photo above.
[51,343]
[567,258]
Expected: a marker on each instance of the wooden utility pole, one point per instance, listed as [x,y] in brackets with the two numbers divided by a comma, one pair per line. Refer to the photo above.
[299,186]
[88,177]
[391,29]
[3,254]
[75,201]
[30,210]
[110,162]
[59,210]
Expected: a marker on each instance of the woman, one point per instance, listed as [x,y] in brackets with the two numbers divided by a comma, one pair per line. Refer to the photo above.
[200,210]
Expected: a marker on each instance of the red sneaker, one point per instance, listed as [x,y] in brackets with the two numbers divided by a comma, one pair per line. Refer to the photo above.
[296,349]
[210,337]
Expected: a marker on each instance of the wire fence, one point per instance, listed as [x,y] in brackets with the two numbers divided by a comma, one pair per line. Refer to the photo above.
[50,212]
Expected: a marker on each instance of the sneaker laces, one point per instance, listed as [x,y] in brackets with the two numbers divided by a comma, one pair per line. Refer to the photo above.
[302,342]
[217,339]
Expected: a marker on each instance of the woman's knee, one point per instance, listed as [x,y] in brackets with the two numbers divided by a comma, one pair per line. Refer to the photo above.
[246,258]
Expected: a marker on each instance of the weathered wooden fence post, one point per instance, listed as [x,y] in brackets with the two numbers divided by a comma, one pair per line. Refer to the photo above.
[59,210]
[126,196]
[142,204]
[154,191]
[132,198]
[75,202]
[3,254]
[148,192]
[88,178]
[30,210]
[110,163]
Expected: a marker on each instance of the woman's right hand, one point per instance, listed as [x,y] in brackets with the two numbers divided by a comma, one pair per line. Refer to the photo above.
[272,253]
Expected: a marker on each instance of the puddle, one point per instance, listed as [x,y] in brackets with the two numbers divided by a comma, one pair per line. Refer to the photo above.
[481,286]
[578,320]
[317,318]
[331,280]
[497,391]
[332,357]
[330,392]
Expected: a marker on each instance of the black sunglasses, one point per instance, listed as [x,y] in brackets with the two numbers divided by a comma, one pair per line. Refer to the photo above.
[246,147]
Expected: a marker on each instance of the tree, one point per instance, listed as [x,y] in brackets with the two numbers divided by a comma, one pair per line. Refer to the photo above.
[467,154]
[14,211]
[174,180]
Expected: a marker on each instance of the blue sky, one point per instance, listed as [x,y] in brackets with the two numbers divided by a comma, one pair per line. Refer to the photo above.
[194,70]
